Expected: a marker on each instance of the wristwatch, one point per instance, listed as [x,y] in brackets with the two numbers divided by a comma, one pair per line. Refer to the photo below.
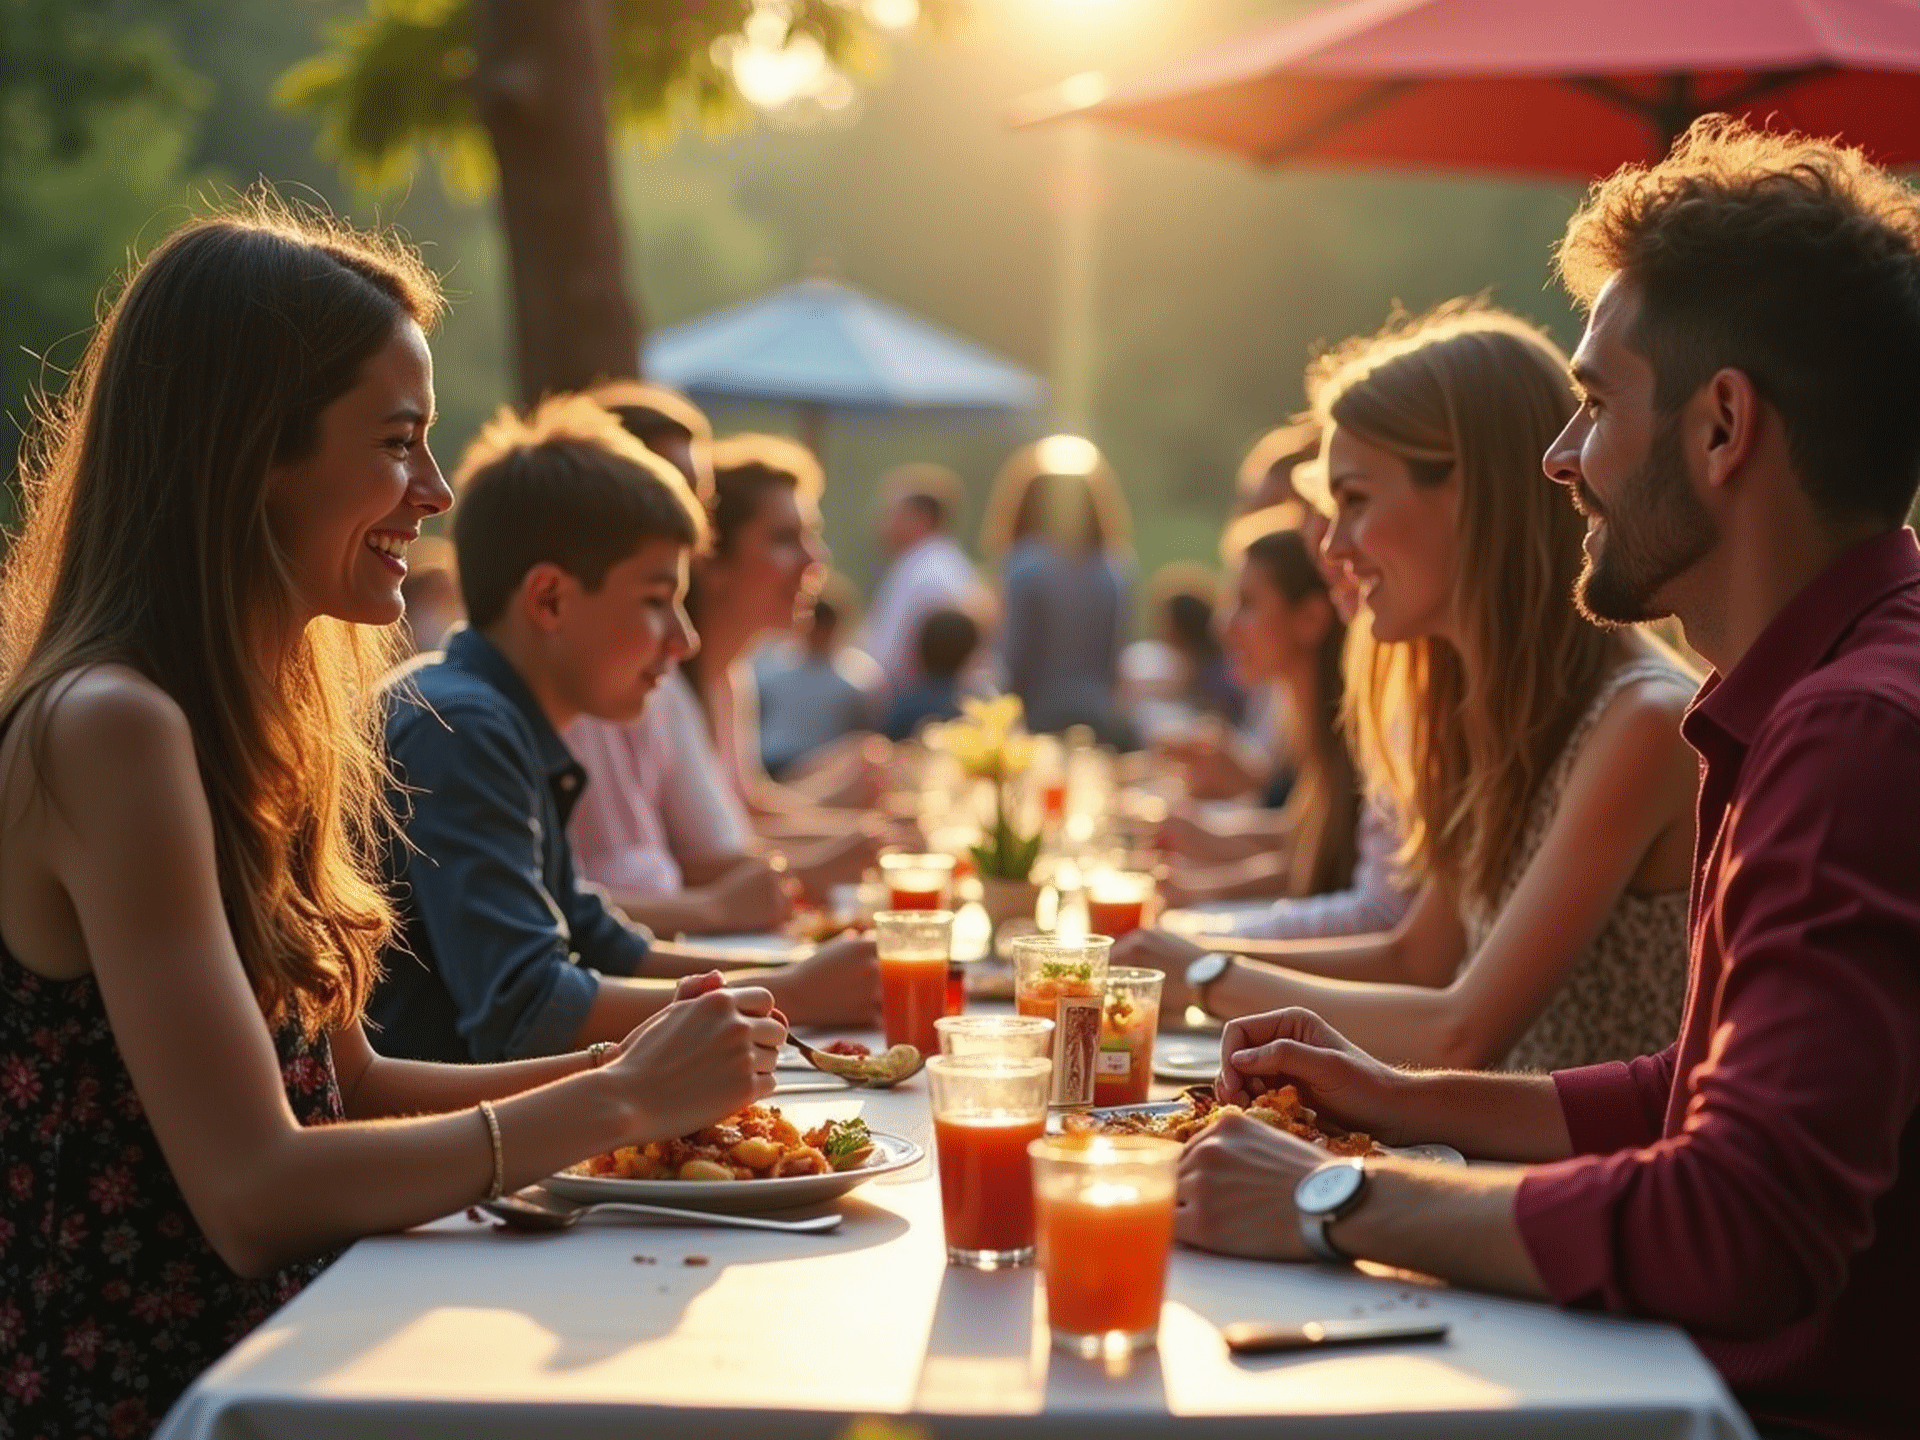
[1203,971]
[1325,1194]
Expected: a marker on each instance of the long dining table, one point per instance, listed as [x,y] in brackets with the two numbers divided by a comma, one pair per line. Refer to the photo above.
[619,1328]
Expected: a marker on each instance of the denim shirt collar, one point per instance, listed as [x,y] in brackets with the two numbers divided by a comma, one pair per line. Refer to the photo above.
[470,651]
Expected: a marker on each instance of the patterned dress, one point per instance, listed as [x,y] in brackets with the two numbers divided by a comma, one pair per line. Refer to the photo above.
[111,1299]
[1623,997]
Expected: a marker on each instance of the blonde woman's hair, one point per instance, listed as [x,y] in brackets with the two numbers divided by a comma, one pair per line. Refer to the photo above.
[147,544]
[1461,739]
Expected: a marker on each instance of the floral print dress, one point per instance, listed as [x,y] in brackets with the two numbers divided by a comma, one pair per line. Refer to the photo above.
[111,1299]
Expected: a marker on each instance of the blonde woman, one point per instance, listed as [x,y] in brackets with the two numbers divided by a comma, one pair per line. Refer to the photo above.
[1536,760]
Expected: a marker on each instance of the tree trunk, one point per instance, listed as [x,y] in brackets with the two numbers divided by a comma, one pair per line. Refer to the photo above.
[540,87]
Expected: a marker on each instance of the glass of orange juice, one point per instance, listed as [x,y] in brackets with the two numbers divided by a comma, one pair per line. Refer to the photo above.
[1123,1072]
[1065,980]
[914,947]
[1103,1207]
[987,1109]
[918,882]
[1020,1036]
[1117,901]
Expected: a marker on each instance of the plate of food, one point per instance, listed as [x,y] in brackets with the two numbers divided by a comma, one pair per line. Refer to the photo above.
[1186,1057]
[770,948]
[1198,1108]
[756,1159]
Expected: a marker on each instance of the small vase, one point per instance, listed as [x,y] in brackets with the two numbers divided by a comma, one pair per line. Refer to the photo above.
[1005,900]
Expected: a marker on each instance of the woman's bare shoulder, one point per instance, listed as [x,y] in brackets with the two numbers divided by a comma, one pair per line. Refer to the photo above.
[107,707]
[96,729]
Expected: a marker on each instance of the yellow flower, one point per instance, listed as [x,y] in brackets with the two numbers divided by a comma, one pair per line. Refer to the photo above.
[988,742]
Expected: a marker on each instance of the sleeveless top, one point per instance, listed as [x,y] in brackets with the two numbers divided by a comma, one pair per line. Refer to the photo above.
[111,1299]
[1624,995]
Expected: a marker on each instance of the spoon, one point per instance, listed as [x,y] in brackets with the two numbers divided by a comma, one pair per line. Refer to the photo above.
[537,1209]
[873,1072]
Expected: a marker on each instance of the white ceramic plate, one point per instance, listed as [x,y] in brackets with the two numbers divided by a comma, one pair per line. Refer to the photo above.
[1442,1154]
[768,949]
[740,1197]
[1186,1057]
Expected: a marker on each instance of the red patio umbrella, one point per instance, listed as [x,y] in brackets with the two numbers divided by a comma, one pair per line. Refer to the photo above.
[1541,87]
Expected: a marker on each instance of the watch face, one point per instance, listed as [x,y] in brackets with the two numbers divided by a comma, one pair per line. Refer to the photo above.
[1206,969]
[1325,1190]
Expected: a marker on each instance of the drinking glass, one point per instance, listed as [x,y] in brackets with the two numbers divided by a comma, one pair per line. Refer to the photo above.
[914,947]
[1014,1036]
[1065,981]
[918,882]
[1104,1211]
[1117,901]
[987,1109]
[1123,1072]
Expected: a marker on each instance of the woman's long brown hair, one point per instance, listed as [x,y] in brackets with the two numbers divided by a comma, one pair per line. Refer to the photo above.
[146,544]
[1461,739]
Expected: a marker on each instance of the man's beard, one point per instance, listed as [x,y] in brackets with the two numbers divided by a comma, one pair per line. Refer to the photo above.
[1654,530]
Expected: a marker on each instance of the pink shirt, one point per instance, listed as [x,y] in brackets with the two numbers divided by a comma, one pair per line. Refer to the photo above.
[1759,1181]
[657,797]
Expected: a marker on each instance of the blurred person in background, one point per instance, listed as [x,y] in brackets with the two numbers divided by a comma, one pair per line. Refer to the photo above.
[667,423]
[949,640]
[1536,758]
[660,829]
[816,691]
[1271,634]
[431,593]
[1058,528]
[1286,632]
[1249,759]
[920,506]
[1170,679]
[1265,477]
[758,578]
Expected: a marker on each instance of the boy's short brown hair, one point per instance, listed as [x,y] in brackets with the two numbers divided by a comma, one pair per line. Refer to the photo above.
[565,485]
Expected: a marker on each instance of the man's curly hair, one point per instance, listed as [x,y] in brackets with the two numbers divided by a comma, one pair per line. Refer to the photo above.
[1793,260]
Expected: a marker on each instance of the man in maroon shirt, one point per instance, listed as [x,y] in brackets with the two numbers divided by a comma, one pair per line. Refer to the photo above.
[1747,450]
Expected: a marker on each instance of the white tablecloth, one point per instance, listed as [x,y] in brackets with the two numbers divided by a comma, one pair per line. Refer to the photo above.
[458,1329]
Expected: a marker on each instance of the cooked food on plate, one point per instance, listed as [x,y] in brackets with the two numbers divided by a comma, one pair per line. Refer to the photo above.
[1198,1108]
[757,1143]
[851,1060]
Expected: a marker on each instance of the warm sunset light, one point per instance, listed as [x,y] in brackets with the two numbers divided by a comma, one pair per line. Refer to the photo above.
[891,559]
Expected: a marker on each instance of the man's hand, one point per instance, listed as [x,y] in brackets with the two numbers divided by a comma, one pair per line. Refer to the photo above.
[1166,952]
[1236,1190]
[755,894]
[839,984]
[1263,1052]
[701,1058]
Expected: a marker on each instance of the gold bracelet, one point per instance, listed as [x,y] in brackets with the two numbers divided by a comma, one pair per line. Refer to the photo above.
[598,1052]
[499,1154]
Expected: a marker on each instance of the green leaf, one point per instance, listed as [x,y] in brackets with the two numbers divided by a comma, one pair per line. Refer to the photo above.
[846,1137]
[395,81]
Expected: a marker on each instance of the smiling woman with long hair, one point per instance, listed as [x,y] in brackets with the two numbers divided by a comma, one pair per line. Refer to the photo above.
[218,513]
[1534,759]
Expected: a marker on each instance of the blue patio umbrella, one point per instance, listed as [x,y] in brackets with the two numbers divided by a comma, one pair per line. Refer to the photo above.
[826,346]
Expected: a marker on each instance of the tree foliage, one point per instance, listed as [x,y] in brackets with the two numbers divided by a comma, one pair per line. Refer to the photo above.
[96,114]
[397,79]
